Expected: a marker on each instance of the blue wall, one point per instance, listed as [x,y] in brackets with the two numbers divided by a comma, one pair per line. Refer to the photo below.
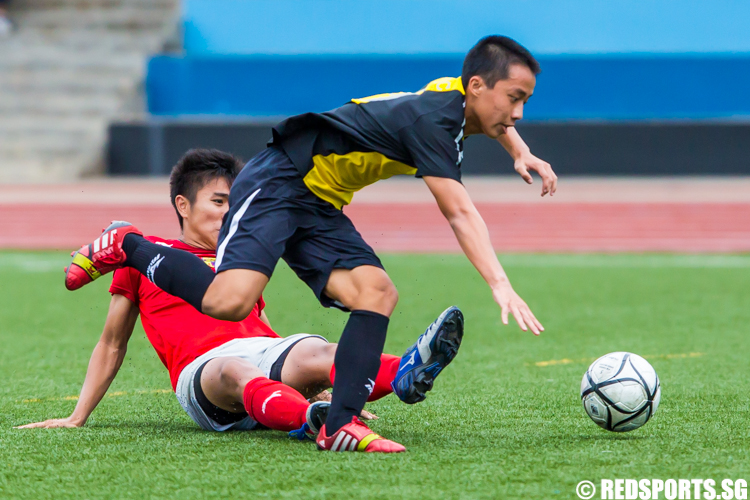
[603,87]
[635,60]
[452,26]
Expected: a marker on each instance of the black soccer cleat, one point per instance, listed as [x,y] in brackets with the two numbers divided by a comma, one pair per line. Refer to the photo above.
[316,416]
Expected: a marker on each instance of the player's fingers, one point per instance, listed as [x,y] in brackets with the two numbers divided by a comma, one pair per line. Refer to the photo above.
[532,319]
[547,185]
[504,315]
[538,323]
[529,320]
[523,310]
[323,396]
[548,178]
[519,317]
[367,415]
[524,173]
[31,426]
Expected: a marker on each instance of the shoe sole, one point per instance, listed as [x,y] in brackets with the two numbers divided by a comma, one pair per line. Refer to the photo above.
[447,342]
[113,225]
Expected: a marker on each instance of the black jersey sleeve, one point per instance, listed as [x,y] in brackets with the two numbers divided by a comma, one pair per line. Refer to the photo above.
[433,150]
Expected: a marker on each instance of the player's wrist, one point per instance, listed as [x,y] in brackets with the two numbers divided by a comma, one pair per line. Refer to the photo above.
[499,283]
[78,420]
[521,153]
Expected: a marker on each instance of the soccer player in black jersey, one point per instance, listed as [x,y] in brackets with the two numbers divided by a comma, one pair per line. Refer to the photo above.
[287,203]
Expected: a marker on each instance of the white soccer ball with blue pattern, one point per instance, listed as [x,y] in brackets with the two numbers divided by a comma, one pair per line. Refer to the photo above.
[620,391]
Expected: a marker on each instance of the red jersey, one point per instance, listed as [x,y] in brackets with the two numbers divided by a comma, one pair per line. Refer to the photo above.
[177,331]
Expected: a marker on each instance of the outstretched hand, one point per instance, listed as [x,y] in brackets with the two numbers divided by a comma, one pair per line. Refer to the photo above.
[52,424]
[511,303]
[527,162]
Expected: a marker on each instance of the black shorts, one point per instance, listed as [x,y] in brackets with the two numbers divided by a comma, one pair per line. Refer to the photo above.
[272,214]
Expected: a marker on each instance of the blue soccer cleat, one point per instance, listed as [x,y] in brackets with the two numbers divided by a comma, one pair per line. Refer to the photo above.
[432,352]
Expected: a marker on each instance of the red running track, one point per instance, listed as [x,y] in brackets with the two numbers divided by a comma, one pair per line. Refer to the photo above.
[419,227]
[569,227]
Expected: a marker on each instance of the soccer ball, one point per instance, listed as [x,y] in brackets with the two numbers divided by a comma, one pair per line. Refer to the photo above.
[620,391]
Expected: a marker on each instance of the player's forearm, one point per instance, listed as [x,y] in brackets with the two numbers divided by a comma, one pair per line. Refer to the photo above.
[474,238]
[107,357]
[513,143]
[104,364]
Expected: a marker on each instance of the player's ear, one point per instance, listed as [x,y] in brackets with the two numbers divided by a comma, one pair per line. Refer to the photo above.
[476,85]
[183,205]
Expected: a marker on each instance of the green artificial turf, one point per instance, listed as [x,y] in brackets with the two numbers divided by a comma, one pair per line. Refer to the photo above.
[504,421]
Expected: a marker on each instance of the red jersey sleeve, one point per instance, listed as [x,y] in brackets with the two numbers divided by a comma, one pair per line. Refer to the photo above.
[261,305]
[126,282]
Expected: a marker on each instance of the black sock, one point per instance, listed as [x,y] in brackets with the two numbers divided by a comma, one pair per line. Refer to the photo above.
[357,363]
[177,272]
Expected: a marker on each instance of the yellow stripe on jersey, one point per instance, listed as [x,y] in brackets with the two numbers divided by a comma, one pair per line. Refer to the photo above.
[335,178]
[445,84]
[381,97]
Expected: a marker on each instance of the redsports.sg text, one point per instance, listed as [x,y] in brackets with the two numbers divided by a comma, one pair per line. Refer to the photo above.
[673,489]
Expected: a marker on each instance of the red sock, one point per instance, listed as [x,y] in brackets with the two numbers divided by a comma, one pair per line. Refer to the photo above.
[275,405]
[388,368]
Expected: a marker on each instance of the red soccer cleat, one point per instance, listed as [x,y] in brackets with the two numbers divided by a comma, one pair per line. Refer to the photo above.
[104,255]
[356,436]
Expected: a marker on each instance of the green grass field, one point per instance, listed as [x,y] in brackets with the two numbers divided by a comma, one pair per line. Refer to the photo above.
[504,421]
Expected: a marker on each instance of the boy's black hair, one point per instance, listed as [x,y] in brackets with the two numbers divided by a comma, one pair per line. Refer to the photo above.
[197,168]
[492,57]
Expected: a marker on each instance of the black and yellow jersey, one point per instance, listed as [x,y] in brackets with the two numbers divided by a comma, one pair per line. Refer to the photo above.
[341,151]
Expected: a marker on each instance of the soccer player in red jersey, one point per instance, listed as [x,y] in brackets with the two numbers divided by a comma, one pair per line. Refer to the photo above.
[226,375]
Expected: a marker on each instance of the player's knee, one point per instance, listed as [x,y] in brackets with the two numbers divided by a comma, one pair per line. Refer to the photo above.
[233,294]
[380,296]
[228,308]
[328,352]
[323,355]
[390,295]
[313,363]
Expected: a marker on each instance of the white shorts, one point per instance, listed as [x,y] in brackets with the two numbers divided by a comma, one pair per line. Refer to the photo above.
[260,351]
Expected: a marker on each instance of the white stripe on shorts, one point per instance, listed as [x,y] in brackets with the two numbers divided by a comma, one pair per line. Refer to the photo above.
[233,228]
